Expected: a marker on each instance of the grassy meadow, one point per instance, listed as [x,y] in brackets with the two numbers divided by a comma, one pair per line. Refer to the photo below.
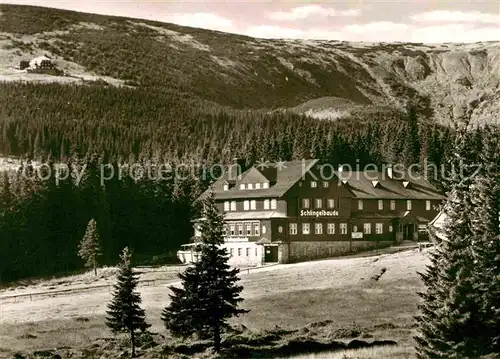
[292,306]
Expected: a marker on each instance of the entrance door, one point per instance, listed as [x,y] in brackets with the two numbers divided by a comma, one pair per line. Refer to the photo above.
[411,230]
[270,254]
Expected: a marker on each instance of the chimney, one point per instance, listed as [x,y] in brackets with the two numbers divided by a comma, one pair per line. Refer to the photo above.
[389,171]
[236,169]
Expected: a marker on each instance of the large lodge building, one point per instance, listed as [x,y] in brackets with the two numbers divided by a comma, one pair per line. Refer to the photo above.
[300,210]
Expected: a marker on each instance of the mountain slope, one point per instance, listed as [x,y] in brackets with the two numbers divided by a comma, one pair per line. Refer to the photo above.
[449,82]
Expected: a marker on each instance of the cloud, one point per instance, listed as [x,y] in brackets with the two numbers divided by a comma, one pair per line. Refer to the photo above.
[204,20]
[375,28]
[383,31]
[457,17]
[303,12]
[454,33]
[274,32]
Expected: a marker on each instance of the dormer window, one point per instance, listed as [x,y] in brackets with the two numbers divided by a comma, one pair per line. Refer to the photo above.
[274,204]
[265,185]
[325,184]
[314,184]
[257,186]
[406,184]
[242,186]
[250,186]
[375,184]
[226,187]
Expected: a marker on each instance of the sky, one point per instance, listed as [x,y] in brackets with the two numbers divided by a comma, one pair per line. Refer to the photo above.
[361,20]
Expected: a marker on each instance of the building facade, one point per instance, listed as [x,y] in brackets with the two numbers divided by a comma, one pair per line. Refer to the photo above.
[301,210]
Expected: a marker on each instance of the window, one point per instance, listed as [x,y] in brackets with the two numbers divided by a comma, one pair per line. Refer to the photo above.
[325,184]
[263,229]
[242,186]
[240,229]
[314,184]
[306,228]
[354,228]
[367,228]
[380,204]
[293,228]
[246,205]
[319,203]
[331,203]
[226,187]
[231,251]
[248,252]
[266,204]
[408,205]
[224,231]
[318,228]
[280,229]
[256,253]
[253,204]
[391,229]
[393,205]
[226,206]
[233,205]
[379,228]
[331,228]
[239,252]
[257,186]
[232,229]
[305,203]
[265,185]
[360,204]
[274,204]
[422,228]
[248,229]
[256,228]
[427,205]
[249,186]
[343,228]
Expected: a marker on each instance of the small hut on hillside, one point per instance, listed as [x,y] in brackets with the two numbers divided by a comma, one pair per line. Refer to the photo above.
[41,62]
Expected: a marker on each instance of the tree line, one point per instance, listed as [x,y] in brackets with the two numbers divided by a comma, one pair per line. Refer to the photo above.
[42,222]
[62,121]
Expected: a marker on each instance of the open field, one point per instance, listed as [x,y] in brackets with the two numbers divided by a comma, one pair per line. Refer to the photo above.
[328,299]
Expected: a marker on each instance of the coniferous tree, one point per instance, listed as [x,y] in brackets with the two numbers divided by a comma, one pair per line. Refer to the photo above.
[124,314]
[485,196]
[89,249]
[209,295]
[450,324]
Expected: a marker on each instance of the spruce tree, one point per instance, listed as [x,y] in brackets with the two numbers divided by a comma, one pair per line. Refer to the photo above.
[486,237]
[124,314]
[89,249]
[450,325]
[209,295]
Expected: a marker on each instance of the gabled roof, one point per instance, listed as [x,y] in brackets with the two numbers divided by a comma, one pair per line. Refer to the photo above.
[282,178]
[360,183]
[253,175]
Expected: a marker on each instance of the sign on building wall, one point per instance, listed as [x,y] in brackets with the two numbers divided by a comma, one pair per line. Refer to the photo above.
[236,239]
[322,213]
[357,235]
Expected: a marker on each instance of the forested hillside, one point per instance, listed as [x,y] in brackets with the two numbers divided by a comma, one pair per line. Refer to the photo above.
[163,93]
[450,82]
